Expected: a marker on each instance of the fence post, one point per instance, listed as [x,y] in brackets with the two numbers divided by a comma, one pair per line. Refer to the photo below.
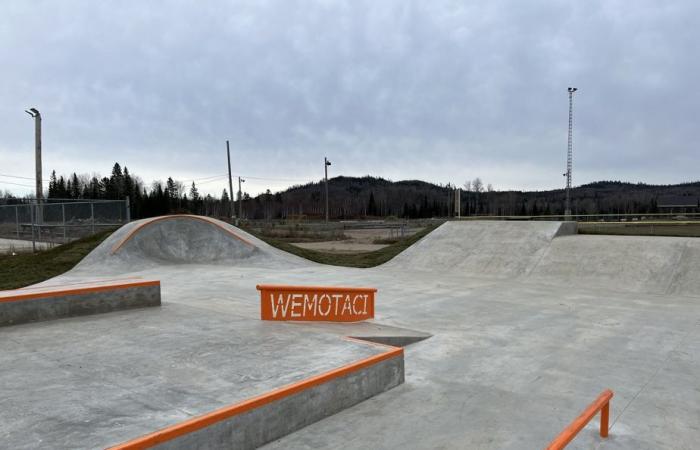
[63,213]
[31,217]
[17,219]
[39,216]
[92,217]
[128,209]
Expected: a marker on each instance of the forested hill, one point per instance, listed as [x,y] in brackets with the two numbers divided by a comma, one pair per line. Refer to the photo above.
[362,197]
[371,196]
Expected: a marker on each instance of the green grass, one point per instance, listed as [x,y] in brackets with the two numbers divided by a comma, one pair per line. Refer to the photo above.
[364,259]
[678,229]
[29,268]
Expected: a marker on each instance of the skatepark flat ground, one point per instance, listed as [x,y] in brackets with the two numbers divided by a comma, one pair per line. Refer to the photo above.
[522,340]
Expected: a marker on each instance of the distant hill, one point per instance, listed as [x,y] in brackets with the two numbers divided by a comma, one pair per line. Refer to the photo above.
[354,197]
[368,197]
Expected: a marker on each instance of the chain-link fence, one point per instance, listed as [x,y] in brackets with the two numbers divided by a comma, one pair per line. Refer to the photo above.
[35,225]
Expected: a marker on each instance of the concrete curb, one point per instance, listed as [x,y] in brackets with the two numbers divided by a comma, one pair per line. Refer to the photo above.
[31,305]
[272,415]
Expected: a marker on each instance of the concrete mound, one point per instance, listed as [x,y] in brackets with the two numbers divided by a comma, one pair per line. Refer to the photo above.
[483,248]
[552,253]
[182,239]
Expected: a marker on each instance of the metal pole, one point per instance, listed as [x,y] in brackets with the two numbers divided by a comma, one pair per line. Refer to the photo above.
[63,213]
[127,206]
[31,217]
[230,181]
[37,151]
[17,219]
[92,217]
[569,153]
[326,163]
[240,198]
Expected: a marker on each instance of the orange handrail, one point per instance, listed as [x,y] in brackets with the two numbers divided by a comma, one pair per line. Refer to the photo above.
[602,404]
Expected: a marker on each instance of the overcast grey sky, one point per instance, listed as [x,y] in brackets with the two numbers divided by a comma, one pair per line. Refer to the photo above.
[442,91]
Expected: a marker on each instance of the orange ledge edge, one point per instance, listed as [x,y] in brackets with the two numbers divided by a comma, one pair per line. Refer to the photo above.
[203,421]
[73,291]
[131,234]
[284,287]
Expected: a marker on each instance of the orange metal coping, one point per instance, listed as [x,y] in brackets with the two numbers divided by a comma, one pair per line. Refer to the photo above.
[203,421]
[284,287]
[21,295]
[77,283]
[139,227]
[602,404]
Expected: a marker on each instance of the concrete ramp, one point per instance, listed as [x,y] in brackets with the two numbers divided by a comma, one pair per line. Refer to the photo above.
[483,248]
[182,239]
[644,264]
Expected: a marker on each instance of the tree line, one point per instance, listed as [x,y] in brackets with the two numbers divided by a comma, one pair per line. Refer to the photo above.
[362,197]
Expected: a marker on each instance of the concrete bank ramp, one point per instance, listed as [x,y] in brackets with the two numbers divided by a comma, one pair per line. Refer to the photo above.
[482,248]
[183,239]
[644,264]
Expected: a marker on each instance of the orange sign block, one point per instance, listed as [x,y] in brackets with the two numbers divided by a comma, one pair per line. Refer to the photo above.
[316,303]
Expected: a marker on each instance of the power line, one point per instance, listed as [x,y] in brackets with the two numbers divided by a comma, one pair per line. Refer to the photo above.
[16,184]
[17,176]
[205,178]
[277,179]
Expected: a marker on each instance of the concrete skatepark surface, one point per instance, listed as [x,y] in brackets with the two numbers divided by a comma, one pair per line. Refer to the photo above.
[529,323]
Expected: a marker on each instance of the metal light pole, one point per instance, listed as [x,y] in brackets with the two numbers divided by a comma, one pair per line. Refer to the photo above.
[567,209]
[230,182]
[37,161]
[326,163]
[240,198]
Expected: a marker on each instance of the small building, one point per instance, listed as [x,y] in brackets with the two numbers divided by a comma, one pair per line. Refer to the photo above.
[678,204]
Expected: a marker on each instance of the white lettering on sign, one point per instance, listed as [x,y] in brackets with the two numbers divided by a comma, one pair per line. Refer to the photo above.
[320,305]
[311,305]
[300,306]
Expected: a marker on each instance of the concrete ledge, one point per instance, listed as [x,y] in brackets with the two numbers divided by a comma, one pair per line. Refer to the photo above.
[48,303]
[273,415]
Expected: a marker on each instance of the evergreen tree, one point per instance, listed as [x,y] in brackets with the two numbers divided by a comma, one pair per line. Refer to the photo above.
[76,188]
[371,205]
[52,185]
[194,193]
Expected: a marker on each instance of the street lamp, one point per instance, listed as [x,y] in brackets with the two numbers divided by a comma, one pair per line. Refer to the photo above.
[567,209]
[34,113]
[240,198]
[326,163]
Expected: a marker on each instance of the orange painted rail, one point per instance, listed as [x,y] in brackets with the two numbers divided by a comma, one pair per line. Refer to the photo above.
[316,303]
[602,404]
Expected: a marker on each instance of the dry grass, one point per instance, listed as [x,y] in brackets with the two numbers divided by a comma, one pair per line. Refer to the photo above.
[29,268]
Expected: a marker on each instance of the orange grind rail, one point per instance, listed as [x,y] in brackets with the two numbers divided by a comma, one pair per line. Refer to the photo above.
[602,404]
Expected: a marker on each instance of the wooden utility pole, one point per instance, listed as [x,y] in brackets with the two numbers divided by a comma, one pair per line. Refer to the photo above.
[230,181]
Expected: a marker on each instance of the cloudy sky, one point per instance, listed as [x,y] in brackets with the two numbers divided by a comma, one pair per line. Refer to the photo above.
[442,91]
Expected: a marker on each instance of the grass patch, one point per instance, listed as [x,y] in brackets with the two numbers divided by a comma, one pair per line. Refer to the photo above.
[678,229]
[364,259]
[28,268]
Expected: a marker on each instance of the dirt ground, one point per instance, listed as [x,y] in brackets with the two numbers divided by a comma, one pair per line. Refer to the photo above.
[358,241]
